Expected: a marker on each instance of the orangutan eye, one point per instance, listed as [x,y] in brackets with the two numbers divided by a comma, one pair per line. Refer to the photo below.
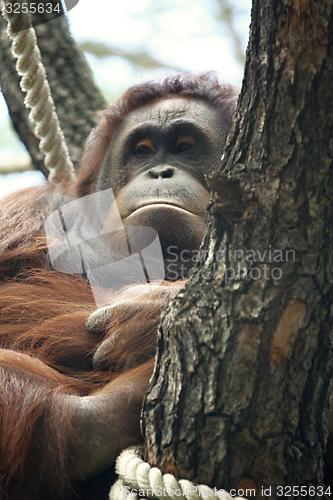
[184,143]
[144,147]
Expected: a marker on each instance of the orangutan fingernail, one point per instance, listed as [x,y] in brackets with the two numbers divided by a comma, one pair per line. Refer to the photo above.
[98,320]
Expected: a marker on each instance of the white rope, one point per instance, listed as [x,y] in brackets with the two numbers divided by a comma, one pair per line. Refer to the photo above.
[137,475]
[38,98]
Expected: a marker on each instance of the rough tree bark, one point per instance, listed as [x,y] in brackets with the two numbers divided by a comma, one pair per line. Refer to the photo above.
[76,96]
[244,365]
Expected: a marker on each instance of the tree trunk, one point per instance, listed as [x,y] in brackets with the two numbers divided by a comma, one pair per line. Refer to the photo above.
[76,97]
[240,390]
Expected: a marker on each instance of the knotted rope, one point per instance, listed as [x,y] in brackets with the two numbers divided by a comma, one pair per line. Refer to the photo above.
[137,475]
[38,99]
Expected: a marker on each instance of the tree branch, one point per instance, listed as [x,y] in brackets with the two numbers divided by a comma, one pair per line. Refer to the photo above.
[76,97]
[244,364]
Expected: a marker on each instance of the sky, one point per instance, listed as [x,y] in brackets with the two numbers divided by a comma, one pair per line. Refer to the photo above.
[178,33]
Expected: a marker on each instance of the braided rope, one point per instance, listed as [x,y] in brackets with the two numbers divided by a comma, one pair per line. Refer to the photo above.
[38,99]
[135,474]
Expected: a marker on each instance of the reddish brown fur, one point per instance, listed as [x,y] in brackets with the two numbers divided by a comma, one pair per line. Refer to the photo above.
[45,350]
